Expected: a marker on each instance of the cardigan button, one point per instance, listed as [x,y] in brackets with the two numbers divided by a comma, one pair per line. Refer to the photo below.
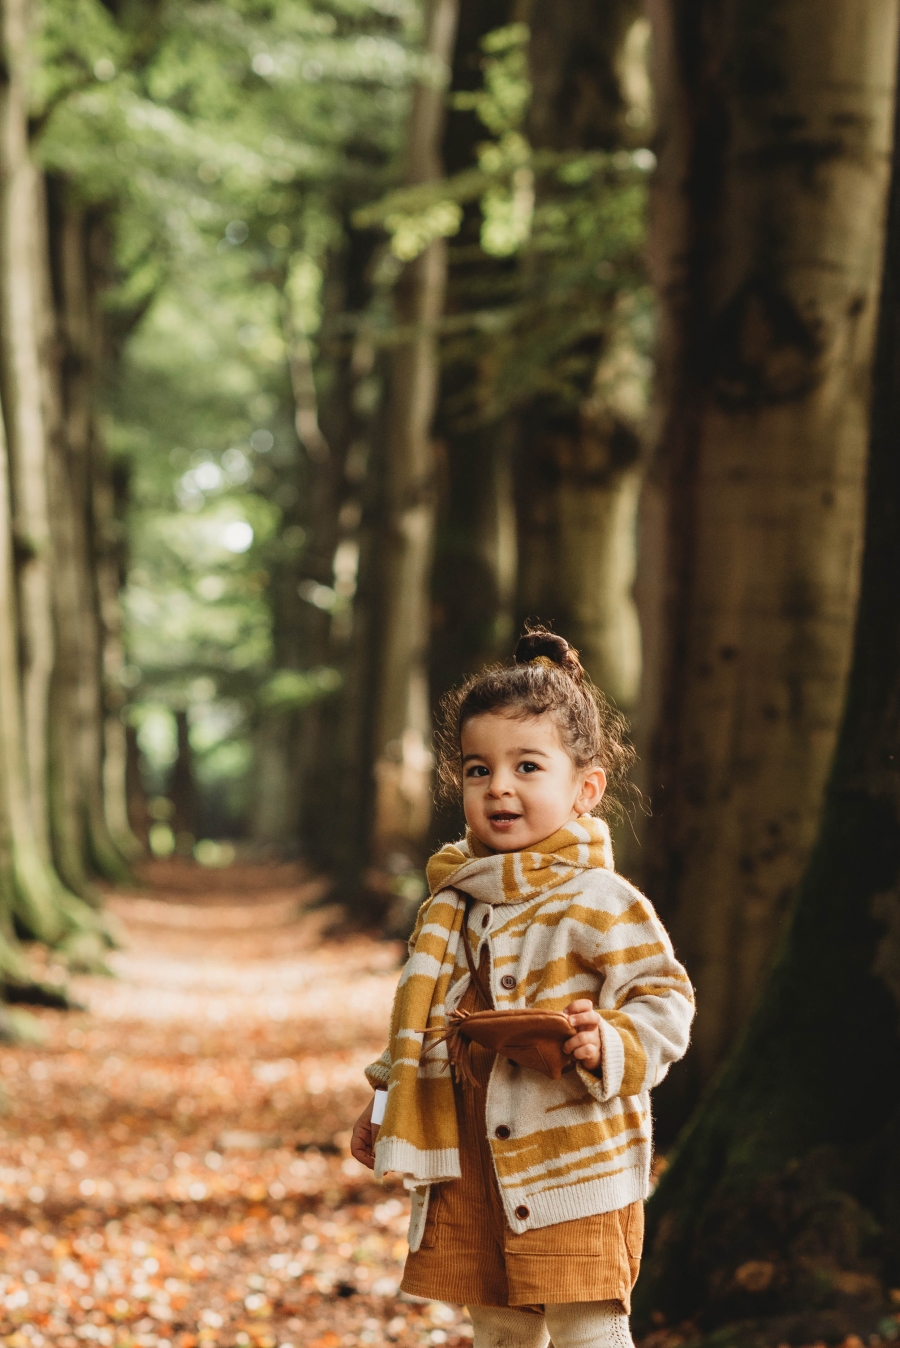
[486,920]
[508,982]
[502,1131]
[522,1212]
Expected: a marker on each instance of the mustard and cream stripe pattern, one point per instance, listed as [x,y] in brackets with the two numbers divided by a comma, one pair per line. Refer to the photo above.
[558,924]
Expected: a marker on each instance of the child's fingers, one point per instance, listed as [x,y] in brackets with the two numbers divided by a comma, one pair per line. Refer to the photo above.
[582,1004]
[586,1038]
[361,1147]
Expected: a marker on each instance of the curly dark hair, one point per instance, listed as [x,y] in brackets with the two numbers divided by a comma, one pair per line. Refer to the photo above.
[546,675]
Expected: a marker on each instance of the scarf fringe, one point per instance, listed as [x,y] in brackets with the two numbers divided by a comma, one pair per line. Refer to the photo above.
[457,1045]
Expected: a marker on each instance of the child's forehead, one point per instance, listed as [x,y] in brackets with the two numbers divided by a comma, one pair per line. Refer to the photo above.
[505,730]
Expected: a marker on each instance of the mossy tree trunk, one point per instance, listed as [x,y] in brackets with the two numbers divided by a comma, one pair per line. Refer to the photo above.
[27,615]
[778,1219]
[33,900]
[22,406]
[768,225]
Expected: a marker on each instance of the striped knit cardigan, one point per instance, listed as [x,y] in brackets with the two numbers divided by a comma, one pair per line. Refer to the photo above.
[558,924]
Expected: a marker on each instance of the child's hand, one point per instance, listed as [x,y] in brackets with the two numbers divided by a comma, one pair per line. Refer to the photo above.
[585,1045]
[362,1140]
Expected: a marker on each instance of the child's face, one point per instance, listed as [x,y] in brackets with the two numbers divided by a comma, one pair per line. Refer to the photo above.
[519,784]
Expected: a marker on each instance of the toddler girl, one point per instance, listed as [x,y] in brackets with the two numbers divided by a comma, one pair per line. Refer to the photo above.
[528,1192]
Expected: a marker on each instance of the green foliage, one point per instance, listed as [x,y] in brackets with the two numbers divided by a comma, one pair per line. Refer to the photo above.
[293,689]
[226,148]
[223,145]
[573,223]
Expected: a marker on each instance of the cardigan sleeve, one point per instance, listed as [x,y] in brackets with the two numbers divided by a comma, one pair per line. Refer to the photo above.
[646,1002]
[378,1072]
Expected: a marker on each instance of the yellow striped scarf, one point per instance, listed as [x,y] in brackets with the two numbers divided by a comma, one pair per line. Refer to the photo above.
[559,924]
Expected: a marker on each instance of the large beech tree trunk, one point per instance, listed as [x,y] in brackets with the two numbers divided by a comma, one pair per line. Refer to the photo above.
[580,472]
[775,131]
[779,1216]
[26,885]
[402,765]
[21,382]
[27,637]
[81,835]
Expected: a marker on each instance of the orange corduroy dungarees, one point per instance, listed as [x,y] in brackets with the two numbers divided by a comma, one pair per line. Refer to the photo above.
[470,1256]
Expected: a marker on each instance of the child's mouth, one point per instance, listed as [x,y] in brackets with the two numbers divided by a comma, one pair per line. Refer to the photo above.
[504,817]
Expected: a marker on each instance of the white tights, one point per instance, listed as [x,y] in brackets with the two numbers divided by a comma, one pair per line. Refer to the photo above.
[570,1324]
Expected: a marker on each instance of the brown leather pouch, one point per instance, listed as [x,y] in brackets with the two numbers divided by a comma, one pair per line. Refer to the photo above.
[527,1037]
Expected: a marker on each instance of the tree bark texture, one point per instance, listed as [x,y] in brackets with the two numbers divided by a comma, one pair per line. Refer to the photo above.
[403,716]
[82,839]
[21,389]
[474,575]
[26,883]
[779,1216]
[580,465]
[767,233]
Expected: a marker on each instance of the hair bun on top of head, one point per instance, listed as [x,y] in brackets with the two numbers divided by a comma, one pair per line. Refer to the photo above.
[539,644]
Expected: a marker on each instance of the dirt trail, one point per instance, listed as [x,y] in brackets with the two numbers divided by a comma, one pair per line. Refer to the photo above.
[174,1167]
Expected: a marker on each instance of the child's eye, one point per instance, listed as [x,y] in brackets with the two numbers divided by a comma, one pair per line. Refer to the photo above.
[476,770]
[528,766]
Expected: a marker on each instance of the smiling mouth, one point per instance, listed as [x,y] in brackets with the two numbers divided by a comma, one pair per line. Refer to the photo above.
[504,817]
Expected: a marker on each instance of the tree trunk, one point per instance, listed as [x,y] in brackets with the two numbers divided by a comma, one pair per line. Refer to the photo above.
[82,839]
[767,237]
[403,716]
[109,492]
[581,466]
[21,383]
[779,1216]
[183,788]
[474,575]
[578,491]
[26,883]
[28,637]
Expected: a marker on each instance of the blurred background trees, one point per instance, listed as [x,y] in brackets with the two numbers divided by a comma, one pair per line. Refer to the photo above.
[343,329]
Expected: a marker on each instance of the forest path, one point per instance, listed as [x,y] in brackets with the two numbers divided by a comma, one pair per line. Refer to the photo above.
[174,1167]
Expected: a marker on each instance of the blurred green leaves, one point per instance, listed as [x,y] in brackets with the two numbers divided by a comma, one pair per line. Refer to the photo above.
[221,147]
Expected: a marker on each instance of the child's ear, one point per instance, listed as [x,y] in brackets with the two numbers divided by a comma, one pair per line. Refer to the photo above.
[592,788]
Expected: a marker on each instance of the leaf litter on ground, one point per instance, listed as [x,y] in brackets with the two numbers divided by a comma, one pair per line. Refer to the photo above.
[174,1167]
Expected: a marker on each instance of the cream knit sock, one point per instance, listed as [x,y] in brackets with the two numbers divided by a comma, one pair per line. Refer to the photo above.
[588,1324]
[504,1327]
